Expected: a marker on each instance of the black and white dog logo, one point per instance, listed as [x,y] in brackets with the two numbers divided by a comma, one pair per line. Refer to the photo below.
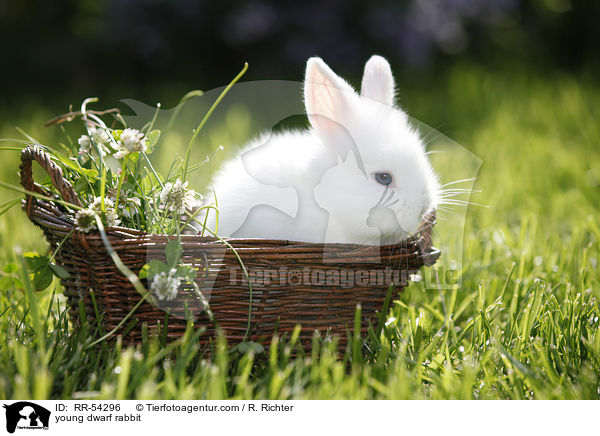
[26,415]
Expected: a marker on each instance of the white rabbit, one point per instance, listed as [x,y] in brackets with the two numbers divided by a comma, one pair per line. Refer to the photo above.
[359,175]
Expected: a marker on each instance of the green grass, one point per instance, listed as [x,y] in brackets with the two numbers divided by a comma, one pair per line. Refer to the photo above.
[523,324]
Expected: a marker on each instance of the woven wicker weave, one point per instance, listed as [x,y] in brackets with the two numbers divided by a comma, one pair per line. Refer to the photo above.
[295,292]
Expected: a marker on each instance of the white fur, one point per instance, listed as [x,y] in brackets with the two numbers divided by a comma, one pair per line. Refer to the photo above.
[319,185]
[378,82]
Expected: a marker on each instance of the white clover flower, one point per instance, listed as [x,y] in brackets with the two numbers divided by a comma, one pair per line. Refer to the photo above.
[85,144]
[135,204]
[131,141]
[85,220]
[166,286]
[110,217]
[99,135]
[135,201]
[175,197]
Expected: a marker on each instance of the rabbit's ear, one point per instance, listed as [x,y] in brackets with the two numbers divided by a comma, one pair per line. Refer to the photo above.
[326,96]
[378,82]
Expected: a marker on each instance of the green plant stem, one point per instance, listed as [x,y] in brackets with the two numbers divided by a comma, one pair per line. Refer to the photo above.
[182,101]
[37,195]
[121,178]
[246,276]
[152,169]
[5,207]
[20,141]
[191,217]
[58,247]
[33,303]
[206,117]
[135,281]
[119,325]
[103,187]
[153,119]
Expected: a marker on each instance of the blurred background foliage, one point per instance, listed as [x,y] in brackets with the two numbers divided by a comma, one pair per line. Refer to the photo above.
[60,51]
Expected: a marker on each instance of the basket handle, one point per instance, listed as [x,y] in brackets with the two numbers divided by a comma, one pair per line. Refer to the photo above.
[35,152]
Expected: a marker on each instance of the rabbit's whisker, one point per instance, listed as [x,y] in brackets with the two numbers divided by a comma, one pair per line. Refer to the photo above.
[452,194]
[462,203]
[459,190]
[433,132]
[434,138]
[458,181]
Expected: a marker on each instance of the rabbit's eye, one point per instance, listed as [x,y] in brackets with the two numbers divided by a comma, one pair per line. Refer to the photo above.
[383,178]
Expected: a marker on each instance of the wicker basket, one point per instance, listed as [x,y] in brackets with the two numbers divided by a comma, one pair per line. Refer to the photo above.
[282,299]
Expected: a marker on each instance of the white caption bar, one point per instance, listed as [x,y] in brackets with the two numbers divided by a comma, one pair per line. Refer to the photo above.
[23,417]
